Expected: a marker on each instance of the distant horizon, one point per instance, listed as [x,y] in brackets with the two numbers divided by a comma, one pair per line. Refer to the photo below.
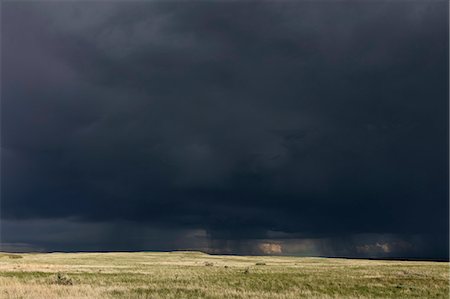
[411,259]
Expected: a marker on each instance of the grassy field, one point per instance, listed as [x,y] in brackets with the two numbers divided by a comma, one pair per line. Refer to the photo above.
[198,275]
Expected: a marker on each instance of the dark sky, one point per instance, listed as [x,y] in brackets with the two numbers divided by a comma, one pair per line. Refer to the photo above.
[279,127]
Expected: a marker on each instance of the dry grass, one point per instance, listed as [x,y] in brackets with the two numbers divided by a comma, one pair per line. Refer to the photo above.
[198,275]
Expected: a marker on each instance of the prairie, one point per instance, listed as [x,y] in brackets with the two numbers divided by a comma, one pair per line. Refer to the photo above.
[199,275]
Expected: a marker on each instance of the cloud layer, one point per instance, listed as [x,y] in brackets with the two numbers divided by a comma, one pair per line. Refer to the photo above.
[314,120]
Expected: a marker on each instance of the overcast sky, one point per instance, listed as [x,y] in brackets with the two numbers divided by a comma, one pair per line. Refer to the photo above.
[277,127]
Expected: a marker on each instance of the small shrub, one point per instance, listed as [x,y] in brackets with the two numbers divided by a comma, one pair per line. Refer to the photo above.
[62,279]
[11,256]
[15,256]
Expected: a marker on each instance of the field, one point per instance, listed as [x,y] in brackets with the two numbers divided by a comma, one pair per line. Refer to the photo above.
[198,275]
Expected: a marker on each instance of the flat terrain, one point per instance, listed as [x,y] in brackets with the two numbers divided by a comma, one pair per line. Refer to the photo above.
[198,275]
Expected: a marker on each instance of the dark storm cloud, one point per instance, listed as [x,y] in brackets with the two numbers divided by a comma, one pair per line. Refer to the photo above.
[317,120]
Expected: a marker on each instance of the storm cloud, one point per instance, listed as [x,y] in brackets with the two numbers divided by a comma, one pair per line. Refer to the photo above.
[304,127]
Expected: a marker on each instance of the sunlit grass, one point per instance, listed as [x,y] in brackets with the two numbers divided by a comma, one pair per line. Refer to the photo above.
[198,275]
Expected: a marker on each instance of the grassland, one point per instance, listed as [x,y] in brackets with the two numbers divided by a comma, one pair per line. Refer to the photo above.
[198,275]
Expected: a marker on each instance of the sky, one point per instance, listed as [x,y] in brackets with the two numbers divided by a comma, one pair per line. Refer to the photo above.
[311,128]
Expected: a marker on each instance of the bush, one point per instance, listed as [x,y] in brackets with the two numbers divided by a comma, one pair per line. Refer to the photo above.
[62,279]
[11,256]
